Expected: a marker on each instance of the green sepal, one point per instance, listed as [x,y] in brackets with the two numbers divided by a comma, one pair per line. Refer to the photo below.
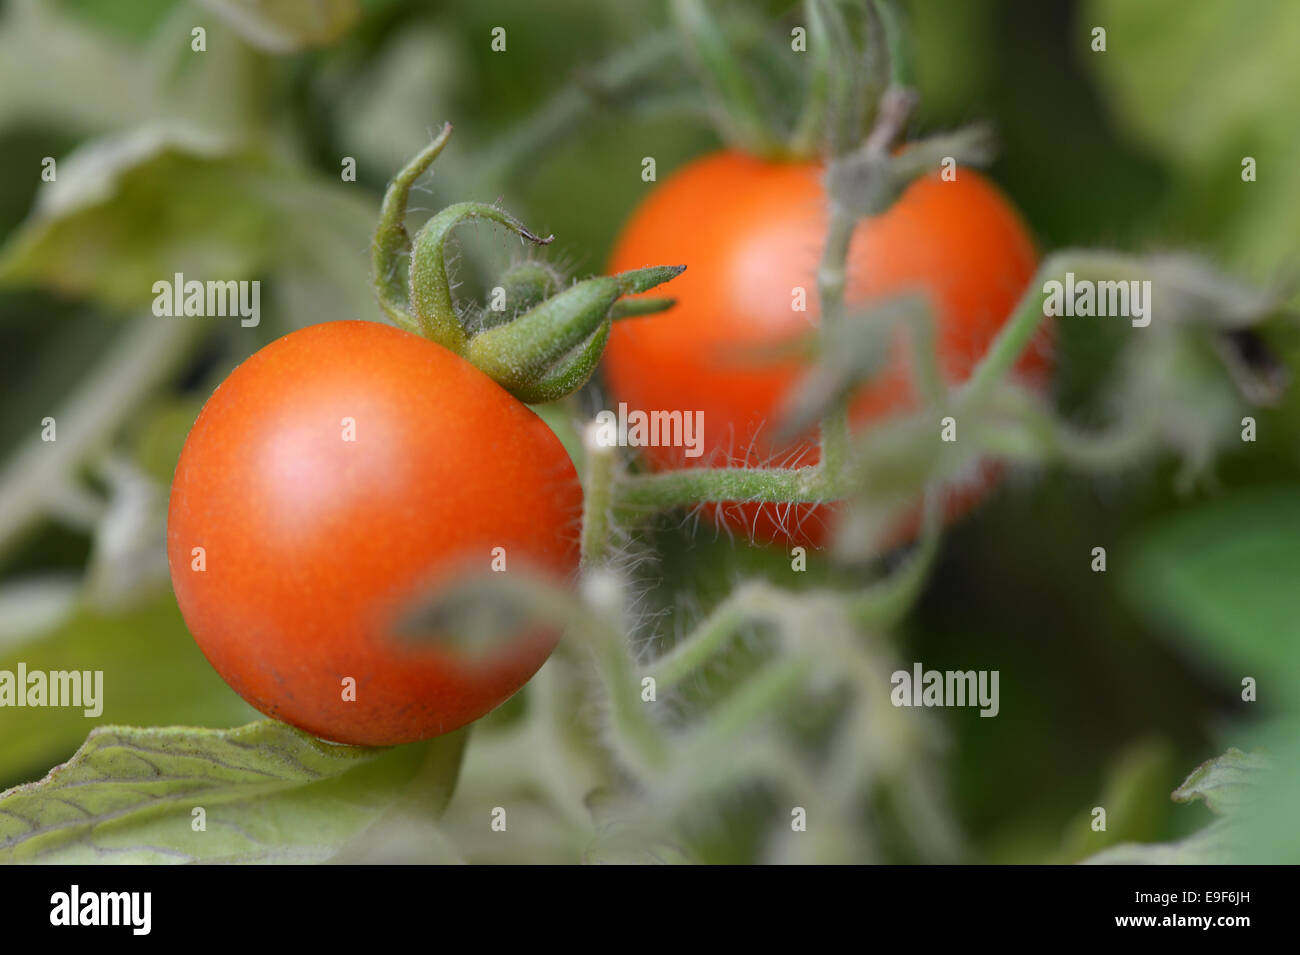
[430,287]
[548,347]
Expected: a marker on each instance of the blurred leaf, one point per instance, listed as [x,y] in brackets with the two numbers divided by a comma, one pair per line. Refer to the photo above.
[1209,846]
[405,839]
[129,210]
[270,794]
[283,26]
[1132,796]
[160,434]
[1193,80]
[949,52]
[389,107]
[1222,578]
[133,21]
[1229,785]
[145,354]
[1225,783]
[154,673]
[322,263]
[35,605]
[54,71]
[1204,85]
[128,558]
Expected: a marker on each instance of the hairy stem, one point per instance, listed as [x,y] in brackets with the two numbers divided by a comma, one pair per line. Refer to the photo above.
[649,493]
[749,602]
[392,242]
[598,500]
[831,282]
[1016,334]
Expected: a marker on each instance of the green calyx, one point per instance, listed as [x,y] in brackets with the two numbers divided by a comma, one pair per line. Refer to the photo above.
[552,349]
[536,340]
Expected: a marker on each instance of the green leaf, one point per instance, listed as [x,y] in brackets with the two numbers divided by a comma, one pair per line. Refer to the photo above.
[1225,783]
[1212,845]
[389,102]
[1134,788]
[127,211]
[55,71]
[1221,580]
[283,26]
[1194,79]
[1230,785]
[1203,85]
[154,673]
[269,793]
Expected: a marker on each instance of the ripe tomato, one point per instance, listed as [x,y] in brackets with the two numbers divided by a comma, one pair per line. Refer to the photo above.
[330,481]
[751,233]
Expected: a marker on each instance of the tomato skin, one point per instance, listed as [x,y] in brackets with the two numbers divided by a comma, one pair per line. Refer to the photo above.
[315,545]
[751,232]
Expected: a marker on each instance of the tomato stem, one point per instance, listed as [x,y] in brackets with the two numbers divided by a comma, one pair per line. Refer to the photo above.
[889,601]
[810,128]
[637,495]
[1015,335]
[831,282]
[598,498]
[748,603]
[739,112]
[392,242]
[430,287]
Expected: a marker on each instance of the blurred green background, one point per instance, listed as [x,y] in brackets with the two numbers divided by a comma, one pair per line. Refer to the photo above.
[1114,685]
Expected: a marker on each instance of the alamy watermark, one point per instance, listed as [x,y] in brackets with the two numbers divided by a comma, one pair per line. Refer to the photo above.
[76,688]
[74,907]
[650,429]
[173,299]
[1085,298]
[923,687]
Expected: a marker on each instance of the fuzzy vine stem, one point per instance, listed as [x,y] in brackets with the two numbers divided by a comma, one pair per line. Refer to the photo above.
[1017,332]
[392,242]
[831,281]
[747,603]
[598,499]
[905,455]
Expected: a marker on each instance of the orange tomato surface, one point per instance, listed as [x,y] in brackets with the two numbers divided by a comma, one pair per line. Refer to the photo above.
[751,232]
[315,547]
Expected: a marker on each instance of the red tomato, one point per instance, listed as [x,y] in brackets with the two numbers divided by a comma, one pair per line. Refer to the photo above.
[751,232]
[331,480]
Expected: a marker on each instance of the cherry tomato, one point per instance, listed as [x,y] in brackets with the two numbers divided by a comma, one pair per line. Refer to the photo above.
[751,234]
[333,479]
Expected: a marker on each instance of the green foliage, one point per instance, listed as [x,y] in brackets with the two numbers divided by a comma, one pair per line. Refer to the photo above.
[1220,580]
[1131,796]
[154,674]
[129,210]
[1229,785]
[284,26]
[1205,85]
[269,793]
[228,163]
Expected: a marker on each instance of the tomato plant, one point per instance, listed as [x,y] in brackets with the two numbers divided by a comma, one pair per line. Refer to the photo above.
[751,232]
[372,537]
[334,477]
